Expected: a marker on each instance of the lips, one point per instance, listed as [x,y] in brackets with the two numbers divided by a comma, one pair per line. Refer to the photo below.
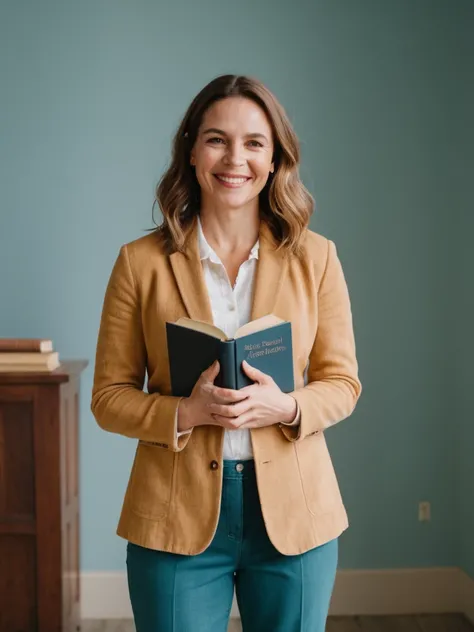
[231,179]
[231,182]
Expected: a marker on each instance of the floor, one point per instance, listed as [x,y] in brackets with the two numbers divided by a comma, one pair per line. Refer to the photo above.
[418,623]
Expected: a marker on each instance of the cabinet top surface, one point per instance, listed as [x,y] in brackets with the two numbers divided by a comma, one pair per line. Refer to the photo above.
[63,373]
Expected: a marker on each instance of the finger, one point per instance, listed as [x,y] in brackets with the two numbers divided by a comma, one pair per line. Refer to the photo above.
[232,410]
[255,375]
[210,374]
[221,410]
[251,420]
[245,421]
[227,395]
[225,422]
[248,390]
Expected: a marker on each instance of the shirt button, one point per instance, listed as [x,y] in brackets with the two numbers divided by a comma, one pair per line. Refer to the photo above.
[214,465]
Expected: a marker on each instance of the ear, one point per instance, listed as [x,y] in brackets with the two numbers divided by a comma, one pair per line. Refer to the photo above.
[272,167]
[192,160]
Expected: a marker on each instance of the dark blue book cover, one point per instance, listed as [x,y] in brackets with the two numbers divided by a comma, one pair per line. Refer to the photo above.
[265,344]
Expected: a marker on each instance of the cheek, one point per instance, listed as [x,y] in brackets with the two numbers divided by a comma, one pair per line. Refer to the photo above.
[261,168]
[207,158]
[262,163]
[205,164]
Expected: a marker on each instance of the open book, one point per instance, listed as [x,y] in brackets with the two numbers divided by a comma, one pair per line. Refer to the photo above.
[265,343]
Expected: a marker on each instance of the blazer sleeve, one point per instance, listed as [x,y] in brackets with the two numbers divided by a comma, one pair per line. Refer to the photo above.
[333,385]
[119,403]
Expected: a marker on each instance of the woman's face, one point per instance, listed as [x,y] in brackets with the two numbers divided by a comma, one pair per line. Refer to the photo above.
[233,153]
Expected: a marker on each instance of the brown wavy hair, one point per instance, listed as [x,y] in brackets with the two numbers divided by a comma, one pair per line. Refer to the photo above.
[285,203]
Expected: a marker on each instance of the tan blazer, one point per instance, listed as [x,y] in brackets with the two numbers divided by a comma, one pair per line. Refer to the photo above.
[172,502]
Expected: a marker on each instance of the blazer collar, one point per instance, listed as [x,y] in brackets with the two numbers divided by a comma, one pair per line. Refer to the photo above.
[270,273]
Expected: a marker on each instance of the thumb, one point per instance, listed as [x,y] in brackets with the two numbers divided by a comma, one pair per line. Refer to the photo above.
[254,374]
[211,372]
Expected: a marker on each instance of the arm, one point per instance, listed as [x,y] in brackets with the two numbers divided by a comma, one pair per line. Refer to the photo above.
[333,386]
[118,402]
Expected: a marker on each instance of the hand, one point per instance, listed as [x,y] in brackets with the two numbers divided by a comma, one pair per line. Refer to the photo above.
[196,410]
[262,404]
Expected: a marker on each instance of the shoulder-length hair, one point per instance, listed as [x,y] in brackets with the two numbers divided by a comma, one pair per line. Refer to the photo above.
[285,203]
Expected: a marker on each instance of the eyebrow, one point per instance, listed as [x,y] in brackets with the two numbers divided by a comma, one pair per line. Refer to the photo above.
[215,130]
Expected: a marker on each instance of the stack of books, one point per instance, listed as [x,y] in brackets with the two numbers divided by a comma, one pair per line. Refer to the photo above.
[27,355]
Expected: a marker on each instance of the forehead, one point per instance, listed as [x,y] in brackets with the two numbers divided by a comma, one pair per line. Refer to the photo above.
[237,115]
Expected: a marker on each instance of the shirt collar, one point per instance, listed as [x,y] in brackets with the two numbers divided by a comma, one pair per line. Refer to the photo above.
[206,252]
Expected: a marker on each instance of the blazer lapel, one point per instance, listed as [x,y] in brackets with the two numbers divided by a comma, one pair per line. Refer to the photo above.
[269,277]
[270,274]
[189,277]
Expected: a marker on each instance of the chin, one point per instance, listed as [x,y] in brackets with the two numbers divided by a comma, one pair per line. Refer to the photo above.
[235,202]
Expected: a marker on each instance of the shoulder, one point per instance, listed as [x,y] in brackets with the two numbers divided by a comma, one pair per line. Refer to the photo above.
[143,250]
[320,253]
[149,243]
[137,258]
[316,247]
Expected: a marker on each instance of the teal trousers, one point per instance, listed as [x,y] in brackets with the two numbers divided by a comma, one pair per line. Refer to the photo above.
[275,593]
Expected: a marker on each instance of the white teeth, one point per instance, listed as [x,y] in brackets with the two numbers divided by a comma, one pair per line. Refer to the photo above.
[232,180]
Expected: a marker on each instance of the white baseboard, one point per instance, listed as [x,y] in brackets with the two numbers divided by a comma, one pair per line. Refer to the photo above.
[364,592]
[396,591]
[105,596]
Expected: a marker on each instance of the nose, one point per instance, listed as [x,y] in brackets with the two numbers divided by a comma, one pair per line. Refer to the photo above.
[234,155]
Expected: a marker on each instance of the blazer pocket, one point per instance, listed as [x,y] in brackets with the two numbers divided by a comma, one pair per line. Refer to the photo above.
[318,478]
[151,481]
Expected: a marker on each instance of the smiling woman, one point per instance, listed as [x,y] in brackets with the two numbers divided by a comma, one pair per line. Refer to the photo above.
[231,489]
[235,146]
[231,166]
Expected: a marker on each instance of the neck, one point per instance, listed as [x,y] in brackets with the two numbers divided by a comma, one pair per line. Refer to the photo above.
[231,232]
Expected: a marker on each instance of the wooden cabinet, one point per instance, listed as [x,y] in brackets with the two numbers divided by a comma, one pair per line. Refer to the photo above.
[39,500]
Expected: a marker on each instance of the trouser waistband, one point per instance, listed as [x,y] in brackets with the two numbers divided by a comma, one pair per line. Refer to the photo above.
[243,469]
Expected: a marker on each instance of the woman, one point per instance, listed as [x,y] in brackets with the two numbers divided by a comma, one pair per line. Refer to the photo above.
[234,245]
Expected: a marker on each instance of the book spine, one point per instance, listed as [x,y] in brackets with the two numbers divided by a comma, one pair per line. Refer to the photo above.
[13,345]
[227,377]
[19,357]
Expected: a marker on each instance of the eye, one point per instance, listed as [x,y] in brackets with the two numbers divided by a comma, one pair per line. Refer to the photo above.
[255,143]
[215,140]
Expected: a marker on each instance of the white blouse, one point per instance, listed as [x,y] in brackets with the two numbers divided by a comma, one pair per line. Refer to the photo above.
[231,308]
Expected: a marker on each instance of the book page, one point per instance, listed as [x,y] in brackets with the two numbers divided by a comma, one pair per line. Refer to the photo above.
[265,322]
[205,328]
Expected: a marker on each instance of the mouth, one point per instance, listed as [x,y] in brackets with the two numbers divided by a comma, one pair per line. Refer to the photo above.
[231,182]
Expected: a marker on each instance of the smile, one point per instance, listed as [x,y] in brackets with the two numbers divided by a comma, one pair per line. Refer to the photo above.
[231,182]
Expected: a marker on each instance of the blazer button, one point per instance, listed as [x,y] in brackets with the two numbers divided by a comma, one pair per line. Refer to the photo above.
[214,465]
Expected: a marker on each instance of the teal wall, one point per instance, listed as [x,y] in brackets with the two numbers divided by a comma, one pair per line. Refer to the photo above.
[91,94]
[462,305]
